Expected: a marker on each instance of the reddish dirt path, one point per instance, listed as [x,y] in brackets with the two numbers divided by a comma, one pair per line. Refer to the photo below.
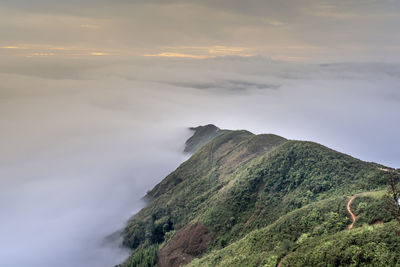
[385,170]
[280,262]
[352,215]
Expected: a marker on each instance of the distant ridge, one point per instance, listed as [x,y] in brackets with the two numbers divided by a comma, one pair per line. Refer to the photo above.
[202,135]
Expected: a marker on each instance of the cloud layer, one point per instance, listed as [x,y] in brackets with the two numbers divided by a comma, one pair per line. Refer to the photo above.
[305,30]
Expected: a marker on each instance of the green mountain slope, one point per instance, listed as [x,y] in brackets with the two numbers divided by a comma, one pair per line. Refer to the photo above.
[249,200]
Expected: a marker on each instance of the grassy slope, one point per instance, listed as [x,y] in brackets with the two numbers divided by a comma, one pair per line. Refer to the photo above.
[239,183]
[316,235]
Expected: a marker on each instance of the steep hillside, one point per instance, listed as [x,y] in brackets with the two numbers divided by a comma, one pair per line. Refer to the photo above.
[249,200]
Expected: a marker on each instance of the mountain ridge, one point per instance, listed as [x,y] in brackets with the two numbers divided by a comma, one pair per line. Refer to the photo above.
[238,183]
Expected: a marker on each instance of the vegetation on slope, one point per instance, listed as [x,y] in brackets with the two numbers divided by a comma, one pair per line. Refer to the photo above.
[364,246]
[176,200]
[145,257]
[269,244]
[290,177]
[239,184]
[305,229]
[371,208]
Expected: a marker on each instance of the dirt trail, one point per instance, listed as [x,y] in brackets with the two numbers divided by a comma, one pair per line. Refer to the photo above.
[280,262]
[352,215]
[353,220]
[385,170]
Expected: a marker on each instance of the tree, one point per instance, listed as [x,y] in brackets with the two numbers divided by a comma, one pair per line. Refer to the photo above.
[393,198]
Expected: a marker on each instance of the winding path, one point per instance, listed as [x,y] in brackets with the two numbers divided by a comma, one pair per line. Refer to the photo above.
[353,220]
[352,215]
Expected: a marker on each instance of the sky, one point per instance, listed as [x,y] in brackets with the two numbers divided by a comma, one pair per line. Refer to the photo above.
[295,30]
[96,98]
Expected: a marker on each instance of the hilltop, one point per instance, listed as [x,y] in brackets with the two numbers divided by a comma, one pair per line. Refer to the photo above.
[261,200]
[201,136]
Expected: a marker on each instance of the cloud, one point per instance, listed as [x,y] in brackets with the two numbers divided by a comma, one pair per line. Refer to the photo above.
[201,52]
[89,26]
[176,55]
[230,85]
[71,177]
[269,28]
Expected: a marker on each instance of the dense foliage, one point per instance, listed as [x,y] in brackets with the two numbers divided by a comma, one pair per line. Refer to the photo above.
[299,228]
[365,246]
[269,244]
[262,196]
[146,257]
[371,209]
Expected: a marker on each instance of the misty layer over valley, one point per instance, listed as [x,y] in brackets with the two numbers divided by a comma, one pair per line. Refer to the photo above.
[72,173]
[82,141]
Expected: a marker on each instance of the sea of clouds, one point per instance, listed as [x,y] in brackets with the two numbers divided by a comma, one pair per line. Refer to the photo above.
[82,141]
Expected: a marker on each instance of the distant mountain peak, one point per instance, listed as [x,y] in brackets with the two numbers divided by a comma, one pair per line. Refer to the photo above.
[201,136]
[204,127]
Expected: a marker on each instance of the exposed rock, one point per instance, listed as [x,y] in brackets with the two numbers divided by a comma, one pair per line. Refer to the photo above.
[188,243]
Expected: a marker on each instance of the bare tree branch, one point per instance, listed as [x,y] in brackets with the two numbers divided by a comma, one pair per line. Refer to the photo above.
[393,199]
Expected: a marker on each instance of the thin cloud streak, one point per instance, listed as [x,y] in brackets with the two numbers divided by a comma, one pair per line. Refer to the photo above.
[176,55]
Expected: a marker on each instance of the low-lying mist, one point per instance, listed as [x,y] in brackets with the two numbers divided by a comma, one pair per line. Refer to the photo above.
[70,179]
[81,145]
